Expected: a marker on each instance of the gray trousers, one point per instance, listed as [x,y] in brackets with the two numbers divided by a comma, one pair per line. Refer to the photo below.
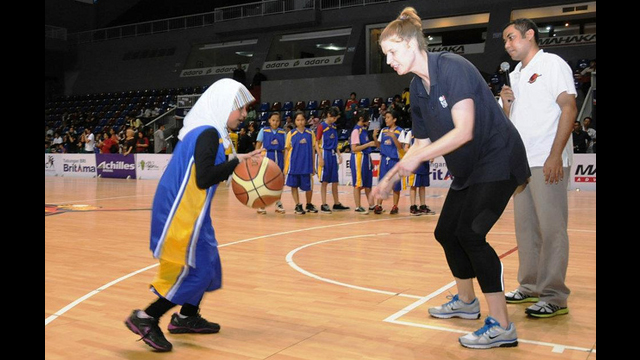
[541,216]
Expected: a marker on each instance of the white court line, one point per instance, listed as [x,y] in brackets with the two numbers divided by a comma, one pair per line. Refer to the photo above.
[555,348]
[73,304]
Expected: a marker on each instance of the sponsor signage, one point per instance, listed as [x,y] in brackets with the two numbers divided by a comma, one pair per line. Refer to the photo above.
[584,39]
[583,172]
[300,63]
[151,166]
[214,70]
[459,49]
[116,166]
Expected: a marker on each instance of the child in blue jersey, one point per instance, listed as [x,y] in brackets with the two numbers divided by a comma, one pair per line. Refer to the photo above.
[300,148]
[361,166]
[329,160]
[182,235]
[391,150]
[417,182]
[272,139]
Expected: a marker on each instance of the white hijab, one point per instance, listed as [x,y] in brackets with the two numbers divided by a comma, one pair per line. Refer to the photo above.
[214,106]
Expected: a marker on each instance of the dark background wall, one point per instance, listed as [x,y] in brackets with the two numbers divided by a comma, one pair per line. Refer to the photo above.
[102,66]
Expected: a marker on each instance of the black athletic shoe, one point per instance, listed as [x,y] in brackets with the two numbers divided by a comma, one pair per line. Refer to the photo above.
[149,330]
[310,208]
[192,324]
[299,210]
[339,207]
[325,209]
[424,209]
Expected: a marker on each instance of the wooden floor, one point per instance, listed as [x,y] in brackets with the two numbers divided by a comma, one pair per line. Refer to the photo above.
[339,286]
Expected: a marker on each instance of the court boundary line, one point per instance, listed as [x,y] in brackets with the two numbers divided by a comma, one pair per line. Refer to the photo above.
[555,348]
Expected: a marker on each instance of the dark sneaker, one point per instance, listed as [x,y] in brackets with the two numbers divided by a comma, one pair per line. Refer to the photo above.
[543,309]
[299,210]
[413,210]
[394,210]
[425,210]
[340,207]
[490,335]
[372,207]
[192,324]
[325,209]
[149,330]
[311,208]
[518,297]
[362,211]
[378,210]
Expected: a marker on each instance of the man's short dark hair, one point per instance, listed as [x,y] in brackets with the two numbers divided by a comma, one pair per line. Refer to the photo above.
[523,25]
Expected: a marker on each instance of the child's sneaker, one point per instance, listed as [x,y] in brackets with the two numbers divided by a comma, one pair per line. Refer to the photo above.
[543,309]
[311,208]
[518,297]
[149,330]
[362,211]
[424,209]
[394,210]
[413,210]
[279,208]
[191,324]
[340,207]
[490,335]
[457,308]
[378,210]
[262,211]
[299,210]
[325,209]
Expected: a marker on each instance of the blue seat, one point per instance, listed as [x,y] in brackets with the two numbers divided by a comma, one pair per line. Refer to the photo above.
[264,107]
[264,116]
[312,105]
[343,134]
[287,113]
[338,103]
[364,103]
[313,113]
[287,106]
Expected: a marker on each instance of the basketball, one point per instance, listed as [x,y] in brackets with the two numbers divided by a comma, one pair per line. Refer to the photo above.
[257,184]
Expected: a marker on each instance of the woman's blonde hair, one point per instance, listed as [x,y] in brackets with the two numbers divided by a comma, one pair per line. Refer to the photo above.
[406,27]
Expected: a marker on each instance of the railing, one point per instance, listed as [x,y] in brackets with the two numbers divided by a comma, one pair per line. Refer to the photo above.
[261,8]
[55,32]
[339,4]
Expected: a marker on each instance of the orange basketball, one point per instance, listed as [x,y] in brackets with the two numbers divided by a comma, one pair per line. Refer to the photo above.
[257,184]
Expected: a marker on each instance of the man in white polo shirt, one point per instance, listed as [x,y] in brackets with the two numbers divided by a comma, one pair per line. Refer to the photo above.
[541,104]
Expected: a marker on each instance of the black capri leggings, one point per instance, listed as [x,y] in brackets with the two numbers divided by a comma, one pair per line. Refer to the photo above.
[466,217]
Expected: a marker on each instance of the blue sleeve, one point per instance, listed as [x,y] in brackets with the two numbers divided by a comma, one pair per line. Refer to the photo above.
[260,135]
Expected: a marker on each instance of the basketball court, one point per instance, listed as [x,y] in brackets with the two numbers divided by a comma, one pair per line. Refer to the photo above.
[314,286]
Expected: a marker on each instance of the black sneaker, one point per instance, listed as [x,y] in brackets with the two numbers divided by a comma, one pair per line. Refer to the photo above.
[361,210]
[413,210]
[325,209]
[339,207]
[311,208]
[425,210]
[149,330]
[192,324]
[394,210]
[378,210]
[299,210]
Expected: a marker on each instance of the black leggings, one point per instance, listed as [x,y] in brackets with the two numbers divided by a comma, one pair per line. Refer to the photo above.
[466,217]
[162,306]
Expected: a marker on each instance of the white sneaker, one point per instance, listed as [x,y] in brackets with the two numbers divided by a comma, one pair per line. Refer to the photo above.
[457,308]
[262,211]
[279,208]
[490,335]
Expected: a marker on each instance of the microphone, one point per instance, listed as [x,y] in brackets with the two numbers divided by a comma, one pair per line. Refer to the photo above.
[505,69]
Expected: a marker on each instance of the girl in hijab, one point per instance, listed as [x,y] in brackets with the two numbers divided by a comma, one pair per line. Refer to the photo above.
[182,235]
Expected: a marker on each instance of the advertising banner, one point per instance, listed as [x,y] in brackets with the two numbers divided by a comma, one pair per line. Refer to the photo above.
[300,63]
[78,165]
[583,172]
[116,166]
[151,166]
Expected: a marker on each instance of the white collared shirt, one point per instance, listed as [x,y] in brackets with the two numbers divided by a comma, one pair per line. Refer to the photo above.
[535,112]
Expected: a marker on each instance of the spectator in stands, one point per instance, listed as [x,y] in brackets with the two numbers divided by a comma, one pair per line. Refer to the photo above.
[129,142]
[106,143]
[57,139]
[89,141]
[405,99]
[133,122]
[142,143]
[349,108]
[48,130]
[288,122]
[252,115]
[586,125]
[159,143]
[244,142]
[71,141]
[252,131]
[239,75]
[376,121]
[585,77]
[581,139]
[258,78]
